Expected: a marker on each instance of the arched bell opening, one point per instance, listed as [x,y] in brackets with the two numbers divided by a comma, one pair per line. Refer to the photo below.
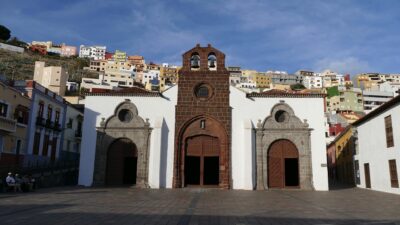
[212,61]
[195,61]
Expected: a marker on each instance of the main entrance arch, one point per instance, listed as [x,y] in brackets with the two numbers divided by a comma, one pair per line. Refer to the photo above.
[121,163]
[283,165]
[202,154]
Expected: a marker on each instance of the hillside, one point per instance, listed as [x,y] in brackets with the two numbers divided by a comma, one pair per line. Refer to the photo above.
[21,66]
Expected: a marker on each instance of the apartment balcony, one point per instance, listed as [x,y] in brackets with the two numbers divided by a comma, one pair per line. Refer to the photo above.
[48,124]
[8,125]
[40,121]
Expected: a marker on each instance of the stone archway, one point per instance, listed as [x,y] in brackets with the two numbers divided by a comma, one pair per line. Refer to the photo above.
[202,154]
[121,166]
[125,125]
[283,165]
[283,124]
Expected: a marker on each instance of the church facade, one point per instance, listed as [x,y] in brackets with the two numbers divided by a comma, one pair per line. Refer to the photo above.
[204,133]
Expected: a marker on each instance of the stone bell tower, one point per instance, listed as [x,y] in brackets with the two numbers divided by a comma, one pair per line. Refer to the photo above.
[203,120]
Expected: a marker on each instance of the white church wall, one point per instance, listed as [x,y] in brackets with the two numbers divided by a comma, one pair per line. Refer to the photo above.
[161,114]
[245,110]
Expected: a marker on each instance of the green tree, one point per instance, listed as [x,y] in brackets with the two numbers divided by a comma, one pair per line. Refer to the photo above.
[5,33]
[16,42]
[297,87]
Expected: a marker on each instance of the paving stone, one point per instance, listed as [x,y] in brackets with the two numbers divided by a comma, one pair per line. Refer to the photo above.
[198,206]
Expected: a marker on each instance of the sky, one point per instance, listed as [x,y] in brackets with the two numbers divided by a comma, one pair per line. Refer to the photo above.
[288,35]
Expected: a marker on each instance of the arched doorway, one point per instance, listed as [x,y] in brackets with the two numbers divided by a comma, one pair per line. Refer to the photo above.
[202,161]
[121,163]
[283,165]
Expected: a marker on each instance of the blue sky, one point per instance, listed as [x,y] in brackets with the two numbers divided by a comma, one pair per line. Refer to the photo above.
[345,36]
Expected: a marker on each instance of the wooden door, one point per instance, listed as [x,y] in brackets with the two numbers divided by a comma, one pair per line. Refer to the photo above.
[277,153]
[121,152]
[202,153]
[367,175]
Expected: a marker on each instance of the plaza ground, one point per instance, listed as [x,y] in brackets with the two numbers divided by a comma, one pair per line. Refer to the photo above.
[198,206]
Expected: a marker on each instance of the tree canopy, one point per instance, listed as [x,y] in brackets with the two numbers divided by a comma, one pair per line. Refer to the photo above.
[5,33]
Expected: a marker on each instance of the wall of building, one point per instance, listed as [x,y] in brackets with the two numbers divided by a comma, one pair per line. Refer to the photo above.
[245,115]
[161,114]
[372,149]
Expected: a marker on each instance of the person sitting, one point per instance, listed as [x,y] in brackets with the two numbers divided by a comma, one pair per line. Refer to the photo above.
[12,183]
[27,185]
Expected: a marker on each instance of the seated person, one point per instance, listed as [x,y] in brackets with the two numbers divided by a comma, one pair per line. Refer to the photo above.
[27,185]
[11,182]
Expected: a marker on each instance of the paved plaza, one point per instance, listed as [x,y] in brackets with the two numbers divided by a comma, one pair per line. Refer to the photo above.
[198,206]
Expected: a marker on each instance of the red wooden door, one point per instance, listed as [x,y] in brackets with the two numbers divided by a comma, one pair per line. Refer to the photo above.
[203,147]
[277,153]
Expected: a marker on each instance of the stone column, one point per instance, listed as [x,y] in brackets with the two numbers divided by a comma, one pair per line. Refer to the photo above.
[259,157]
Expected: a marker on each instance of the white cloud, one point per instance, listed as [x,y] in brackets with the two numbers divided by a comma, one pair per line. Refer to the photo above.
[346,65]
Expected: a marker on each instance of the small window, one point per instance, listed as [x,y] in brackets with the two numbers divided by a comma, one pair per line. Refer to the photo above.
[3,109]
[202,91]
[125,115]
[389,131]
[394,181]
[281,116]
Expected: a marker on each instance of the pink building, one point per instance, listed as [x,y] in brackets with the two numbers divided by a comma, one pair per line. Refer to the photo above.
[67,50]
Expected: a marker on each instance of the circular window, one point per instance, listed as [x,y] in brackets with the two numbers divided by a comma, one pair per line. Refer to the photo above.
[281,116]
[125,115]
[202,91]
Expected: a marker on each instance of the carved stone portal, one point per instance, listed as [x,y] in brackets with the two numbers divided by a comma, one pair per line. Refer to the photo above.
[282,124]
[125,124]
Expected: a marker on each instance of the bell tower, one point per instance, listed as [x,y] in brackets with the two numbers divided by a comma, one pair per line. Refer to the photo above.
[203,120]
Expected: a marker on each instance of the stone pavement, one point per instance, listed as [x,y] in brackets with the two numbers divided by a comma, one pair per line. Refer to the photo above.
[198,206]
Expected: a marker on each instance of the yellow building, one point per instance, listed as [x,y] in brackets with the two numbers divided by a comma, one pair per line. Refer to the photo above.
[14,117]
[119,56]
[262,80]
[53,78]
[169,73]
[345,147]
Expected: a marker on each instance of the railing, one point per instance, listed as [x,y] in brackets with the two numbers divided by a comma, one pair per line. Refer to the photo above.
[8,125]
[48,124]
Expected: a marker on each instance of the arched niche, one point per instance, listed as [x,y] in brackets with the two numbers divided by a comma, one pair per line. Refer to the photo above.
[125,123]
[283,124]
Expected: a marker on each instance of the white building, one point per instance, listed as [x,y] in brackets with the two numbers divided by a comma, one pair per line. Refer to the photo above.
[377,156]
[242,141]
[93,52]
[312,82]
[373,99]
[47,113]
[150,75]
[72,132]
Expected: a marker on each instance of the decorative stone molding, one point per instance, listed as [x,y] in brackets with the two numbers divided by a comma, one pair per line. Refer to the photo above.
[125,123]
[282,123]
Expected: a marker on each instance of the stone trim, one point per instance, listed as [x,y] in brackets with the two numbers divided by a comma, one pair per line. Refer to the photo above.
[112,129]
[292,129]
